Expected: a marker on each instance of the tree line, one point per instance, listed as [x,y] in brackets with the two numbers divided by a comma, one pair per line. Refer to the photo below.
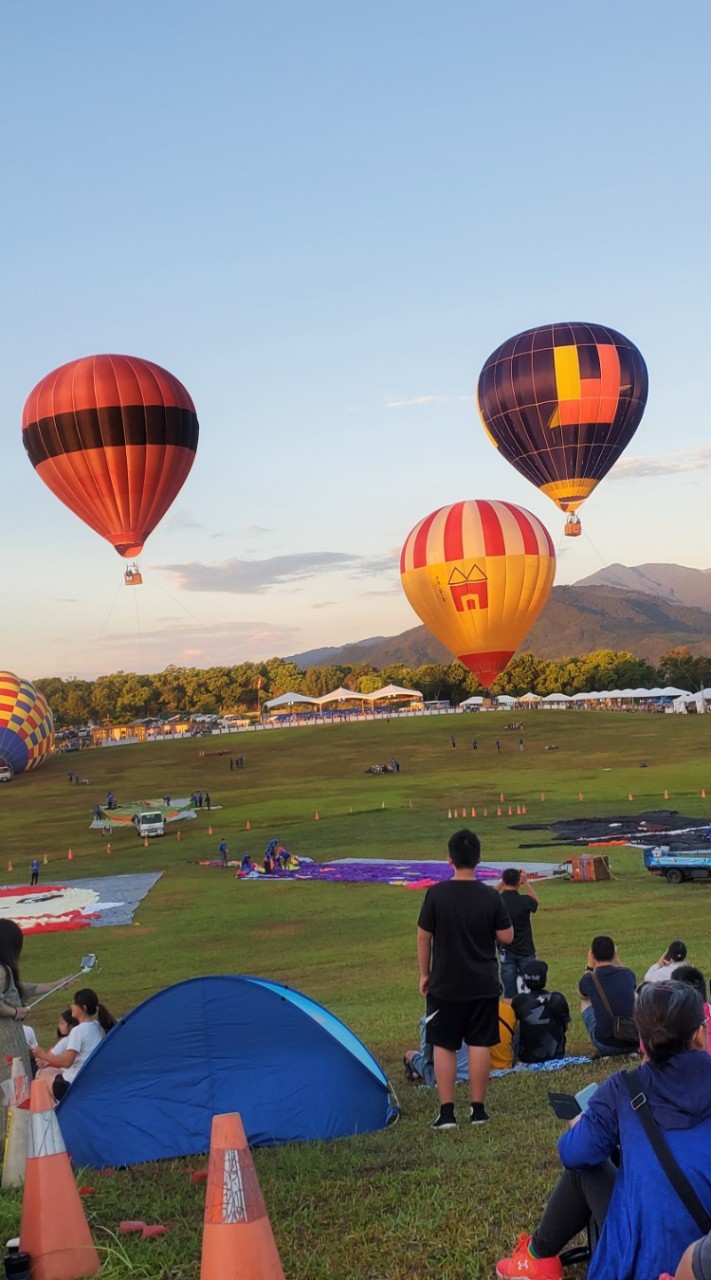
[244,688]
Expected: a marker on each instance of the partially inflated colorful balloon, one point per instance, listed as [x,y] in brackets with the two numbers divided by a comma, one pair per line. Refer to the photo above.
[478,574]
[561,402]
[114,438]
[26,724]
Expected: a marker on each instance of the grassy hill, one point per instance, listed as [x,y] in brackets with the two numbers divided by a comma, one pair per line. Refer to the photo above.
[388,1204]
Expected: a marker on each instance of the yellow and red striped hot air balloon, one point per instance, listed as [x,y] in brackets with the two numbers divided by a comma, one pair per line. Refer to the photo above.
[114,438]
[478,575]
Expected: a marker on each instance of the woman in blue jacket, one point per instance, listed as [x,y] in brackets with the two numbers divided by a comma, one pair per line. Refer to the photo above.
[644,1226]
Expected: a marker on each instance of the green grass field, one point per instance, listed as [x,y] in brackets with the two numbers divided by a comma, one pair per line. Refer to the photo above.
[406,1203]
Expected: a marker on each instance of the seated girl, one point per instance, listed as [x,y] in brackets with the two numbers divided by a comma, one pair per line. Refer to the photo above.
[644,1226]
[93,1020]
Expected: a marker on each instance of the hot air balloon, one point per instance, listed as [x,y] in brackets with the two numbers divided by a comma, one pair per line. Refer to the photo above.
[478,574]
[26,725]
[114,438]
[560,403]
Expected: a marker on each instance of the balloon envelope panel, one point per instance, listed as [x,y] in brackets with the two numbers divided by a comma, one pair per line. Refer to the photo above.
[114,438]
[26,724]
[478,574]
[561,403]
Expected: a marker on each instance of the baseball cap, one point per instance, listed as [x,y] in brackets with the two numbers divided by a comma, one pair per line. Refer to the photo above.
[535,973]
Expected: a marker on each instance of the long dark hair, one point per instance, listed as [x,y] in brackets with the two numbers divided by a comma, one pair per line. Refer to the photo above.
[70,1020]
[11,940]
[88,1000]
[667,1016]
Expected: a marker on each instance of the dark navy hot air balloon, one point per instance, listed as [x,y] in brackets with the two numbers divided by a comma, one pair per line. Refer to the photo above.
[561,403]
[114,438]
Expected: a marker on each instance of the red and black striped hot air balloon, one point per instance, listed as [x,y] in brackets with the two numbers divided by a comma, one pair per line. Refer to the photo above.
[114,438]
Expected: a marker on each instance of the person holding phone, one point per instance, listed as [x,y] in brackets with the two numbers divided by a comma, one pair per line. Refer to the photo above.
[515,955]
[644,1224]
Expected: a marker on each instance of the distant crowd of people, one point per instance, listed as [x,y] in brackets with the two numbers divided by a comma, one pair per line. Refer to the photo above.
[641,1140]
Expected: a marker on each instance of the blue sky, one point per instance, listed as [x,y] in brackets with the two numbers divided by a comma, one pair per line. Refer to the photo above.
[323,217]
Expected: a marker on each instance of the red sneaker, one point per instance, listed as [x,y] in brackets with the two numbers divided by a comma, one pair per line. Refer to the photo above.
[522,1264]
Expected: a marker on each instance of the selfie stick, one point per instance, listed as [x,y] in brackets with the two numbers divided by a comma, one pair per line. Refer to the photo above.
[87,963]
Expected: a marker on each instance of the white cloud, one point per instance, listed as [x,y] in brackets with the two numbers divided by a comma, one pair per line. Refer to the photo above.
[415,402]
[252,577]
[182,520]
[664,465]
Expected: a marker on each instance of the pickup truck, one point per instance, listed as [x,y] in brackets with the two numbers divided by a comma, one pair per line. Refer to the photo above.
[689,864]
[6,774]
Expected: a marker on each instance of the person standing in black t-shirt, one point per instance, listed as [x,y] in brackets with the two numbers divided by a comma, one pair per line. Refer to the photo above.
[460,923]
[520,906]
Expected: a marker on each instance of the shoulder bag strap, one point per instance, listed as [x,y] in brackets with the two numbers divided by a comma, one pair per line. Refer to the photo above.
[601,993]
[678,1179]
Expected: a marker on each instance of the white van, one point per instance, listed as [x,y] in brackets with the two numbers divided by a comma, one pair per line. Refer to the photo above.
[6,774]
[150,824]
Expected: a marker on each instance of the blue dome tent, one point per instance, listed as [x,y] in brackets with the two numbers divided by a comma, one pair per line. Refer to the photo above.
[213,1045]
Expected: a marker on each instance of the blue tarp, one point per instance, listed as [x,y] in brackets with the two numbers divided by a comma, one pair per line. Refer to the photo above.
[211,1045]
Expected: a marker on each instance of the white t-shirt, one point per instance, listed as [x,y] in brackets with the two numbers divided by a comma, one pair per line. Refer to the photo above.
[83,1039]
[662,972]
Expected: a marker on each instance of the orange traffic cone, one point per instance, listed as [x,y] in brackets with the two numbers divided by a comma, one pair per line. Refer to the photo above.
[449,813]
[543,797]
[498,812]
[45,860]
[510,811]
[486,812]
[580,795]
[317,817]
[209,831]
[666,794]
[10,867]
[501,798]
[248,825]
[70,856]
[464,813]
[54,1230]
[409,804]
[178,834]
[523,808]
[108,849]
[630,796]
[237,1241]
[145,843]
[456,813]
[703,793]
[473,813]
[518,810]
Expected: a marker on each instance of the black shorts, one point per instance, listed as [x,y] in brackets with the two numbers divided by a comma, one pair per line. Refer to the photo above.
[476,1022]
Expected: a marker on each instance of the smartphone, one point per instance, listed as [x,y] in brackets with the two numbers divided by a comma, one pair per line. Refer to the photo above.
[569,1105]
[565,1105]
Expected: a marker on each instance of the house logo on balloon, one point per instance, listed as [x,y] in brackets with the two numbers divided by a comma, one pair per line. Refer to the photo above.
[560,403]
[470,588]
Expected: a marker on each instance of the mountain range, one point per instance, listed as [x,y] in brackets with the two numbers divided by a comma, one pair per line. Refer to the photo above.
[645,610]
